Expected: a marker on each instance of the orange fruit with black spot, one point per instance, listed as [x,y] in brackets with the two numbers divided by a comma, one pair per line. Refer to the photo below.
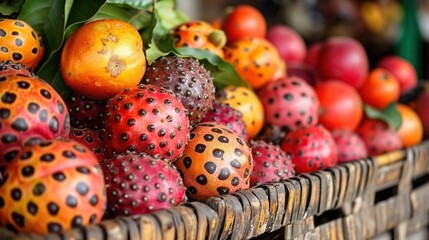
[247,103]
[255,59]
[216,161]
[411,129]
[201,35]
[20,43]
[380,88]
[103,57]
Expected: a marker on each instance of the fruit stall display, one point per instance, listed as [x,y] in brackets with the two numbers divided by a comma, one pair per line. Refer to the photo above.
[128,120]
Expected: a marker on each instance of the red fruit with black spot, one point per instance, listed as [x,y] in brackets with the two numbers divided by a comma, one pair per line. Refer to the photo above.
[378,137]
[31,111]
[92,139]
[147,119]
[189,81]
[271,164]
[289,103]
[311,148]
[140,183]
[86,112]
[20,43]
[10,68]
[216,161]
[350,145]
[230,117]
[51,187]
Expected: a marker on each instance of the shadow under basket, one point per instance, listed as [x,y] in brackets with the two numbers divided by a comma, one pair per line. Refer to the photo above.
[385,197]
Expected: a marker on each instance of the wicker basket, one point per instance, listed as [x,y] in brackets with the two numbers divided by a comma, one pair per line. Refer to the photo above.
[386,195]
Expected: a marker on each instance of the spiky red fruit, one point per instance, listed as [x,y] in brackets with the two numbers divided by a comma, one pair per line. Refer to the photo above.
[350,145]
[92,139]
[146,119]
[378,137]
[271,164]
[10,68]
[86,112]
[311,148]
[230,117]
[139,183]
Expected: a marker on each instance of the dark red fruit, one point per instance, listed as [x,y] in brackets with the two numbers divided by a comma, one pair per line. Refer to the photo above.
[86,112]
[92,139]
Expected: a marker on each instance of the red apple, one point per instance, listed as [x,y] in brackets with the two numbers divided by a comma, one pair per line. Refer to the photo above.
[344,59]
[288,42]
[422,109]
[403,70]
[313,54]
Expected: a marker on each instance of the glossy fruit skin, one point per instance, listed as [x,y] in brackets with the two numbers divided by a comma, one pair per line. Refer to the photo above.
[52,187]
[92,139]
[402,69]
[423,111]
[150,184]
[255,60]
[146,119]
[10,68]
[288,42]
[31,111]
[86,112]
[311,148]
[289,103]
[247,103]
[230,117]
[103,57]
[201,35]
[411,129]
[350,145]
[380,89]
[189,81]
[244,21]
[378,137]
[20,43]
[271,164]
[216,161]
[341,106]
[344,59]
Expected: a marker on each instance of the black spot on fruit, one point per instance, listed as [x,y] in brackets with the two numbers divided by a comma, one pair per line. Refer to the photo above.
[82,188]
[16,194]
[8,98]
[76,221]
[54,124]
[201,179]
[18,219]
[224,174]
[4,113]
[45,93]
[47,157]
[210,167]
[53,208]
[192,190]
[222,190]
[59,176]
[27,171]
[54,227]
[200,148]
[208,137]
[16,56]
[32,208]
[218,153]
[71,201]
[39,189]
[20,125]
[8,138]
[33,107]
[235,164]
[187,162]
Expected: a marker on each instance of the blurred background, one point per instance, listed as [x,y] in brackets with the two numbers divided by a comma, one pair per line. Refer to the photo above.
[384,27]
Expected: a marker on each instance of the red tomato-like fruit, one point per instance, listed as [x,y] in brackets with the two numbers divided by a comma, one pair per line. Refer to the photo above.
[380,88]
[244,21]
[344,59]
[403,70]
[341,105]
[288,42]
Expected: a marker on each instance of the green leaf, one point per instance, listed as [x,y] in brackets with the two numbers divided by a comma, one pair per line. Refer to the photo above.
[9,7]
[389,115]
[51,74]
[136,17]
[136,4]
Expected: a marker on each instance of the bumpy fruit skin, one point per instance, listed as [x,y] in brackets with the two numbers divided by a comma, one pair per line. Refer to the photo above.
[20,43]
[350,145]
[289,103]
[103,57]
[311,148]
[52,187]
[216,161]
[146,119]
[247,103]
[86,112]
[31,111]
[255,59]
[10,68]
[189,81]
[228,116]
[378,137]
[150,184]
[271,164]
[91,139]
[201,35]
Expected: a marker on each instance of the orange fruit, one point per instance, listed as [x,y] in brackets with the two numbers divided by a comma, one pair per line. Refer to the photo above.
[103,57]
[411,129]
[380,88]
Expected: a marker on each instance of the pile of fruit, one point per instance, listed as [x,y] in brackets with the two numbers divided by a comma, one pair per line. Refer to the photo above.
[121,119]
